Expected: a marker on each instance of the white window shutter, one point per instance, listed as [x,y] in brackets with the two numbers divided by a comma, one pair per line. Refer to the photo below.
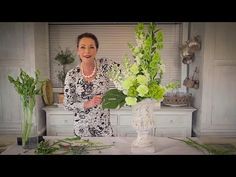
[113,44]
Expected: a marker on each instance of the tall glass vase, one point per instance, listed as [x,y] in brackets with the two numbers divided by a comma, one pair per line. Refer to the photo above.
[143,122]
[29,135]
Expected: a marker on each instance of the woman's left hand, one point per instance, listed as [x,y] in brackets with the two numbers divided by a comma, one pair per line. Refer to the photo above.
[96,100]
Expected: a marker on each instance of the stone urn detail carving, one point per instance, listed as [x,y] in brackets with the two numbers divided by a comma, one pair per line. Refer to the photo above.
[143,123]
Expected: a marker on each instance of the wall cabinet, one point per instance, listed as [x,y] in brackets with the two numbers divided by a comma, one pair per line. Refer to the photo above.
[169,121]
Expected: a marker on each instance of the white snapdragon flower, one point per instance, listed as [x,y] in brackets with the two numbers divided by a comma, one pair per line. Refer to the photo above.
[163,67]
[136,50]
[138,58]
[139,42]
[146,73]
[117,85]
[134,69]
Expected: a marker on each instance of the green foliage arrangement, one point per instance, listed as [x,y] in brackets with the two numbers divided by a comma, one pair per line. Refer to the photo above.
[141,78]
[27,87]
[64,57]
[210,149]
[69,146]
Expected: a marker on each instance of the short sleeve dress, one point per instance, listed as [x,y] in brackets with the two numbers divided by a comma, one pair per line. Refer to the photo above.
[94,121]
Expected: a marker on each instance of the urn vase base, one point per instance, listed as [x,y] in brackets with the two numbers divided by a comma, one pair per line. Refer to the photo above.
[143,145]
[143,150]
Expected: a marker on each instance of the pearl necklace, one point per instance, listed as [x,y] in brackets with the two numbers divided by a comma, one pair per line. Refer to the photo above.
[91,75]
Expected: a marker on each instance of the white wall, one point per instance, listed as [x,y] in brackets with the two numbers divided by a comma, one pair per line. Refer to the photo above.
[215,99]
[13,52]
[198,29]
[42,63]
[22,45]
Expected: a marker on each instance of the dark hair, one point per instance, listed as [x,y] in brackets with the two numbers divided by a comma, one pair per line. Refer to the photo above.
[88,35]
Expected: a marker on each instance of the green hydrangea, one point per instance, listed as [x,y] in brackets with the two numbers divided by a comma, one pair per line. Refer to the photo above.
[127,83]
[132,91]
[156,91]
[142,90]
[142,80]
[131,100]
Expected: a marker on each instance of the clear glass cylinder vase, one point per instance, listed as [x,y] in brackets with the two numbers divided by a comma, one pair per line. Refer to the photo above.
[29,134]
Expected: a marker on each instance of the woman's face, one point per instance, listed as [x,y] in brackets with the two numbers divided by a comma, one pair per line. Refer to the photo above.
[87,49]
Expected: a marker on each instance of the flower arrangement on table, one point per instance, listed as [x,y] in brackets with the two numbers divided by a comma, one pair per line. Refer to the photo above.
[71,146]
[141,78]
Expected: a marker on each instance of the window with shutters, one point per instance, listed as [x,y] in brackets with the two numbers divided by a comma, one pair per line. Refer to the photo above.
[113,44]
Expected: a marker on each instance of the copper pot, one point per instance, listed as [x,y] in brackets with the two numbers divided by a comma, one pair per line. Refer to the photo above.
[194,44]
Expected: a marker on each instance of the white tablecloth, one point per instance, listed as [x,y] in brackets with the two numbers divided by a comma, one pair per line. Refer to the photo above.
[122,146]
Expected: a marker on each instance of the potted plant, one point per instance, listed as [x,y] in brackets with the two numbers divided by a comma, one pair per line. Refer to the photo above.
[138,84]
[28,88]
[64,57]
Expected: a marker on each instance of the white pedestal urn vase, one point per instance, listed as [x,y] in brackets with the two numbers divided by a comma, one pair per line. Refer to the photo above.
[143,122]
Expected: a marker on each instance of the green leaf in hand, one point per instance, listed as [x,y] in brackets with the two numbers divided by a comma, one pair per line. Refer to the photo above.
[113,99]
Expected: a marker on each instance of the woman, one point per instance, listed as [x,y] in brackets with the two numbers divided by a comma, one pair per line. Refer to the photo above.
[84,87]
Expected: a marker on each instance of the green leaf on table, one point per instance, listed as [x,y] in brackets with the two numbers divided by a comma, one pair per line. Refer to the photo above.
[73,138]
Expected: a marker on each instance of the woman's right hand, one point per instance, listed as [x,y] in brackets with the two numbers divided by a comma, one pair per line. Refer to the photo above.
[96,100]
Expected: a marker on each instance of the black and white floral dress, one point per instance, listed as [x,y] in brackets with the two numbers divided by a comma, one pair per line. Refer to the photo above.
[94,121]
